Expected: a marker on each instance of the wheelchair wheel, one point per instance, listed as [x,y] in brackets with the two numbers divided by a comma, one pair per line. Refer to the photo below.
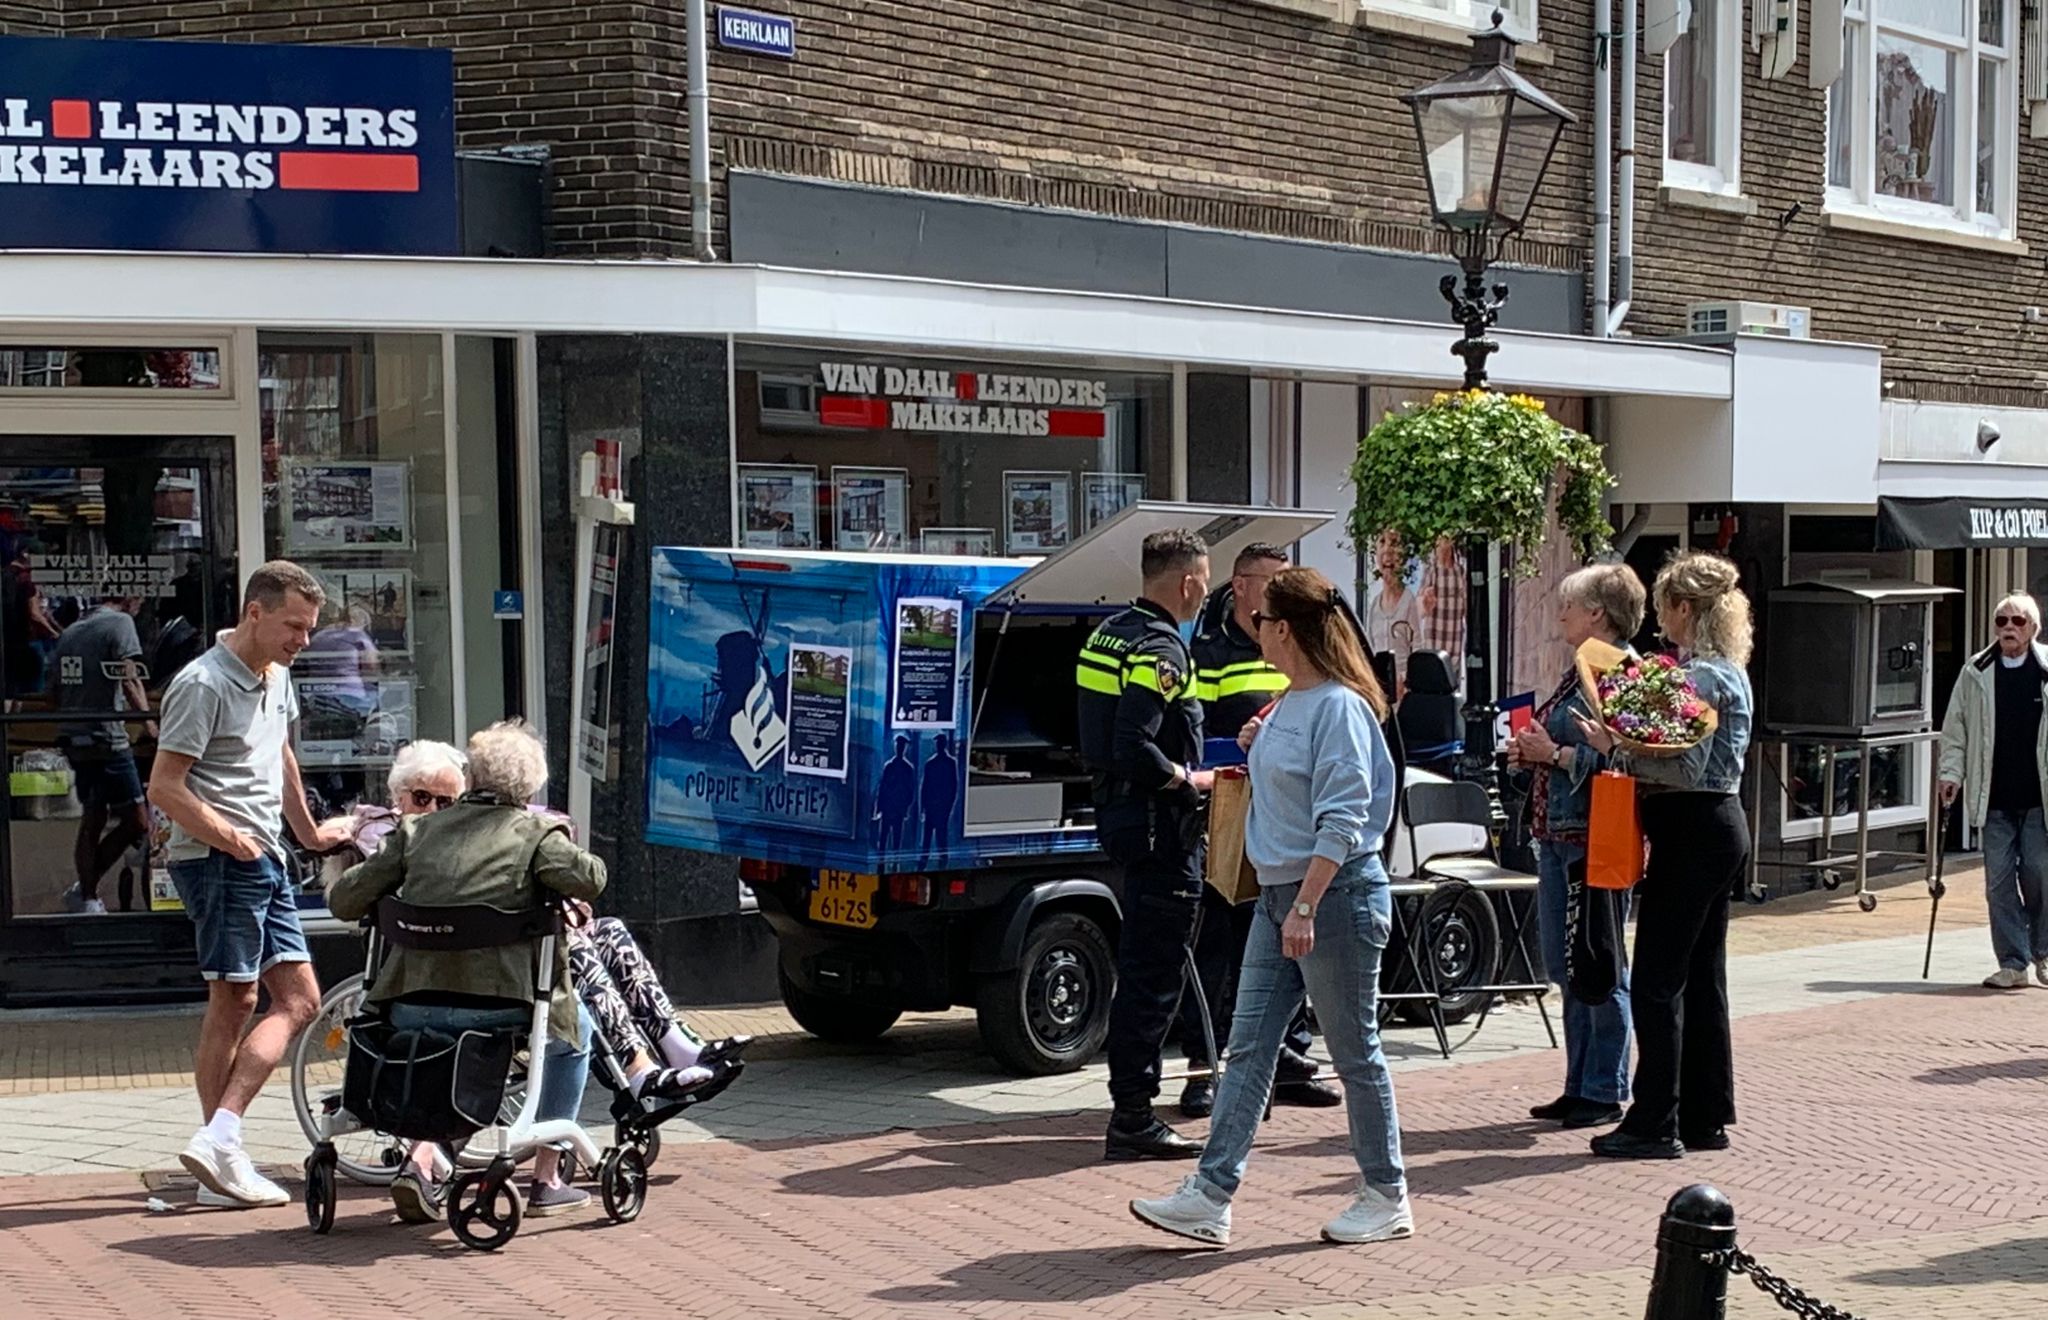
[320,1189]
[318,1057]
[622,1182]
[647,1142]
[484,1209]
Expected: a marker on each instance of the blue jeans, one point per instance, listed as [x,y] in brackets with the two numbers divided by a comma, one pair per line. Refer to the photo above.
[1342,975]
[2016,886]
[1596,1037]
[568,1064]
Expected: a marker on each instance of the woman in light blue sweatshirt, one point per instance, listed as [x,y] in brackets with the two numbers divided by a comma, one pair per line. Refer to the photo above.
[1322,798]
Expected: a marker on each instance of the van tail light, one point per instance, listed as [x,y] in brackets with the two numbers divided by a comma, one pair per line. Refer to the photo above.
[761,873]
[910,890]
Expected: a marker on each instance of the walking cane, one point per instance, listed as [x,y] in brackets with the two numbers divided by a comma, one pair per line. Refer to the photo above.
[1936,887]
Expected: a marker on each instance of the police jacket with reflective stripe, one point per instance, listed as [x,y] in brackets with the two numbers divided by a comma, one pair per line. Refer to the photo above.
[1232,679]
[1139,717]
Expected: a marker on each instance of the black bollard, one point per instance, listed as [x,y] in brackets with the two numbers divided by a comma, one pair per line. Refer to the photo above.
[1688,1285]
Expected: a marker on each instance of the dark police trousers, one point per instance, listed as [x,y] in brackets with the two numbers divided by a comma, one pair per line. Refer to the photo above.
[1219,958]
[1161,901]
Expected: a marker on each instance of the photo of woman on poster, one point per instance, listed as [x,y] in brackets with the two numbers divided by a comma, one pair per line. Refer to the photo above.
[1393,603]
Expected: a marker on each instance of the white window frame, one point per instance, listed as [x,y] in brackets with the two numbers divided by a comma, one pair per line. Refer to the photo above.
[1519,18]
[1859,66]
[1724,176]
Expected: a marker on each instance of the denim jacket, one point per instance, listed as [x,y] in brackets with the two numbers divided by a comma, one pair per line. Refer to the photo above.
[1715,766]
[1571,789]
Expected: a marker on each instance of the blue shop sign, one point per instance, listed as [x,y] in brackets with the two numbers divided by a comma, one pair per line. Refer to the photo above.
[178,146]
[757,34]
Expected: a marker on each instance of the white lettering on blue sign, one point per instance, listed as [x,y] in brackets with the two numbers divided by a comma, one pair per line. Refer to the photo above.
[757,34]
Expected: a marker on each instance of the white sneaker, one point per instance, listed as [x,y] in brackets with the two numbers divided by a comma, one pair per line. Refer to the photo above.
[94,908]
[2007,978]
[1372,1217]
[2041,971]
[226,1171]
[1190,1212]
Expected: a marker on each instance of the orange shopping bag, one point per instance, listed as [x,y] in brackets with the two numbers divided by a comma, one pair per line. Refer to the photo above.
[1614,835]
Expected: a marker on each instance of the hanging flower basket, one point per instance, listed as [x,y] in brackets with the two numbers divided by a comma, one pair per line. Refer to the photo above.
[1475,463]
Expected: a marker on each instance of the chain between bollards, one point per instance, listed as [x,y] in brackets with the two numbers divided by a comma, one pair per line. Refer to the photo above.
[1696,1254]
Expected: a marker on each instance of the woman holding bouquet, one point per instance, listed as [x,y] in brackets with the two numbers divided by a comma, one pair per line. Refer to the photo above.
[1699,844]
[1604,601]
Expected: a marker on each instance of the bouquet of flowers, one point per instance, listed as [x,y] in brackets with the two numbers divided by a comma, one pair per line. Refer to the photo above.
[1649,703]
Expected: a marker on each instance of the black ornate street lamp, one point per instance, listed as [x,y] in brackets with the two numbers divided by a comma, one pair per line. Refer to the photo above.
[1487,135]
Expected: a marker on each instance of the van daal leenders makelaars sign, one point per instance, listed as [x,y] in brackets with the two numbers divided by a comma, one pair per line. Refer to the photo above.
[184,146]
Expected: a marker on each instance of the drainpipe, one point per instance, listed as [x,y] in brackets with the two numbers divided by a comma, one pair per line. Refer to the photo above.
[700,136]
[1625,256]
[1603,165]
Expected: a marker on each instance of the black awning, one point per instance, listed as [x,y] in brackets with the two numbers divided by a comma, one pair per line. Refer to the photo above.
[1960,524]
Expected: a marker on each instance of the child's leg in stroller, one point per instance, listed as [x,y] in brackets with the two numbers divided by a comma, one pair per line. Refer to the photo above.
[605,1000]
[673,1040]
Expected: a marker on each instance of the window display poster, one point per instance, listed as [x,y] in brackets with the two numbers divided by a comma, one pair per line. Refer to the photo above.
[868,507]
[820,678]
[1103,494]
[778,507]
[368,609]
[927,663]
[1039,516]
[971,541]
[594,720]
[352,721]
[339,505]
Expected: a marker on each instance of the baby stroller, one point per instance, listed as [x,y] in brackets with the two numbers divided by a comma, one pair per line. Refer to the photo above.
[449,1086]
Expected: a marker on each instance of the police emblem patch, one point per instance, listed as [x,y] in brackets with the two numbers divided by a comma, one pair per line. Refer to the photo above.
[1169,678]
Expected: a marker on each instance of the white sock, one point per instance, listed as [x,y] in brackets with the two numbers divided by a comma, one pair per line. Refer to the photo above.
[637,1077]
[679,1047]
[225,1127]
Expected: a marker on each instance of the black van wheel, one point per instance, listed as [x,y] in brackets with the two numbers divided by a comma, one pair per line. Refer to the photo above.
[828,1017]
[1051,1014]
[1461,934]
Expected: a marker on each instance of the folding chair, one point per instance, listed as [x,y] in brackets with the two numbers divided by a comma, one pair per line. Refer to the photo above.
[1465,803]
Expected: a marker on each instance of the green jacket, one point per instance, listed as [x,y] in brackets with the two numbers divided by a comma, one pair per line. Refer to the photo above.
[474,852]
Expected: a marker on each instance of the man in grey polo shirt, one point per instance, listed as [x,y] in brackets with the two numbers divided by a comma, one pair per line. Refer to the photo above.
[226,777]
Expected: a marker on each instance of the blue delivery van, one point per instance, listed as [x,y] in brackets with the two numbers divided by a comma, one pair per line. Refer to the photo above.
[889,743]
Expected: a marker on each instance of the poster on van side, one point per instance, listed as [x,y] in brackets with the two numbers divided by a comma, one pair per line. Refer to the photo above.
[820,678]
[927,663]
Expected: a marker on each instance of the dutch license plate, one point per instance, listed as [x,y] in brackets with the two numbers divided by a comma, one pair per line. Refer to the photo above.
[845,899]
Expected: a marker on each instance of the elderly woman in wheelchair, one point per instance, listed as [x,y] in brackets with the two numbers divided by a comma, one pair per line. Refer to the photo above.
[469,959]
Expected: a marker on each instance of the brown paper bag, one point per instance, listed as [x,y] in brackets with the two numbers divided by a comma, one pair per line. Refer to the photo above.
[1230,872]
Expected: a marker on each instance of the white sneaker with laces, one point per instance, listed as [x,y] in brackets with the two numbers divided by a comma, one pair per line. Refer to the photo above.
[1190,1212]
[226,1172]
[1373,1216]
[2007,978]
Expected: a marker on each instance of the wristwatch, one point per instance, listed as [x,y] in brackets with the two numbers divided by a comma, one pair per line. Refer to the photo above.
[1557,756]
[1303,910]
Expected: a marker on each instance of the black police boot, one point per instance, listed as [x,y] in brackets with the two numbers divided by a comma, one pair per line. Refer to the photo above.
[1295,1083]
[1198,1097]
[1140,1134]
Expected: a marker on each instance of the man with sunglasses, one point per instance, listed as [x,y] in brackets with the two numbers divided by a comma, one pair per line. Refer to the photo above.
[1994,756]
[1234,683]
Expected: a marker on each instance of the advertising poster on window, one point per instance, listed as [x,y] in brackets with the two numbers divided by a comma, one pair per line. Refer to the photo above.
[820,679]
[970,541]
[1417,603]
[368,616]
[868,507]
[353,721]
[778,507]
[594,719]
[340,505]
[1039,517]
[1103,494]
[927,663]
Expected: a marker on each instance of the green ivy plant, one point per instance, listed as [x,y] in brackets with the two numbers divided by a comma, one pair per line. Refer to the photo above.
[1478,464]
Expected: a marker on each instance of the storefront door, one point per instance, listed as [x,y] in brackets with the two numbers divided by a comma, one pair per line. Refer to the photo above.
[119,566]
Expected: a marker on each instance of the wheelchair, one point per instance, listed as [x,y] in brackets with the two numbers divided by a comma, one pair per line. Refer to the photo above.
[460,1088]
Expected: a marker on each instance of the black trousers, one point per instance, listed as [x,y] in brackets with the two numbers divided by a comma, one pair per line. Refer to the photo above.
[1161,903]
[1219,957]
[1685,1057]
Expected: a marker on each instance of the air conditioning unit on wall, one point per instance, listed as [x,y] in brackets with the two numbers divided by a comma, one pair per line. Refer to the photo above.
[1739,317]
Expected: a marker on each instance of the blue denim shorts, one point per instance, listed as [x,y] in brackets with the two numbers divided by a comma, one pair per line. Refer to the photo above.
[109,781]
[245,918]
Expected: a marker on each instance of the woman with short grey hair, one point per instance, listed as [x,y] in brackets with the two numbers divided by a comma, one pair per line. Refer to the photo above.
[1604,601]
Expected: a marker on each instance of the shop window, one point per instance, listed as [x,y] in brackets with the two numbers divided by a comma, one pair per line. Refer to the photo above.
[355,488]
[1923,121]
[1518,16]
[856,452]
[39,367]
[1703,100]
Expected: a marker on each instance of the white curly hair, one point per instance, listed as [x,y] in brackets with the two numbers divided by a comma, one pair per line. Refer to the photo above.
[418,760]
[508,760]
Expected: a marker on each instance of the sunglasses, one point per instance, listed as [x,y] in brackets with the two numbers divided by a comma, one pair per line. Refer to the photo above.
[2012,620]
[1261,619]
[422,799]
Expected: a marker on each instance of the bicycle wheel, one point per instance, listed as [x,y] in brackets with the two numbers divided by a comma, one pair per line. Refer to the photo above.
[318,1056]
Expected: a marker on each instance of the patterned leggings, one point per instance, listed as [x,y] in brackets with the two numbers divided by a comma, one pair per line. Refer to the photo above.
[619,987]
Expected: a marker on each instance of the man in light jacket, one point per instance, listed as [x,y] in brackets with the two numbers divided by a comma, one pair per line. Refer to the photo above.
[1994,756]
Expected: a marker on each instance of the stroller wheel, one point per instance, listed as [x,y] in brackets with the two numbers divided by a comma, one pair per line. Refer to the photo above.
[623,1184]
[320,1189]
[645,1140]
[484,1209]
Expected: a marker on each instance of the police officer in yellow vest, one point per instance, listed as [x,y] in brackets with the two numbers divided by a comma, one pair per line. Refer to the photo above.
[1141,738]
[1234,683]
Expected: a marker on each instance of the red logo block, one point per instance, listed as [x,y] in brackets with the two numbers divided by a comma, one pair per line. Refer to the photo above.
[71,119]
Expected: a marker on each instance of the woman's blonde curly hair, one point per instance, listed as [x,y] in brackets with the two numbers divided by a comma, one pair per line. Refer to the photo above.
[1711,584]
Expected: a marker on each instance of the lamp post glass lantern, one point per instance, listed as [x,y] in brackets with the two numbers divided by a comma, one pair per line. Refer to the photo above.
[1487,135]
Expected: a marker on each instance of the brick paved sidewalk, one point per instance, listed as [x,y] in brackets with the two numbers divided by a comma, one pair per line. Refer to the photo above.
[1868,1128]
